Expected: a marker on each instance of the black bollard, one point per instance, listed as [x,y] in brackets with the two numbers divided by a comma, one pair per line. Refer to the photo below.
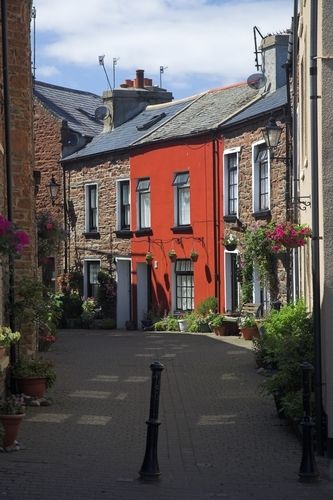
[150,470]
[308,471]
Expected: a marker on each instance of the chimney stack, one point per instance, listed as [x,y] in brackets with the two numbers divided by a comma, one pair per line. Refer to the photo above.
[274,53]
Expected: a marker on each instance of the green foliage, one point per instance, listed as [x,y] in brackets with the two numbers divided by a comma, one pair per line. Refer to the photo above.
[71,305]
[38,367]
[247,321]
[75,280]
[13,405]
[160,326]
[219,320]
[286,343]
[167,324]
[88,312]
[207,306]
[50,235]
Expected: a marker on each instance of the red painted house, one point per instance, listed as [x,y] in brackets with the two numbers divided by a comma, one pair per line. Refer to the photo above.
[176,205]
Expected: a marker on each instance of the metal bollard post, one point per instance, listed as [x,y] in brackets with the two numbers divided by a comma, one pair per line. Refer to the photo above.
[308,471]
[150,470]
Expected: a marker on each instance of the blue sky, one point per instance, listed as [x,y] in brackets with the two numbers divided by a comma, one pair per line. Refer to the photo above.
[203,43]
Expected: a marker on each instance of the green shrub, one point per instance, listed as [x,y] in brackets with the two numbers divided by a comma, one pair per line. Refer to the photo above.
[172,324]
[160,326]
[72,305]
[106,295]
[219,320]
[207,306]
[286,343]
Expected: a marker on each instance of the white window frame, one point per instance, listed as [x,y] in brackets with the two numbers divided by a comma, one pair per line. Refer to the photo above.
[118,201]
[138,200]
[255,178]
[86,206]
[175,199]
[226,153]
[85,273]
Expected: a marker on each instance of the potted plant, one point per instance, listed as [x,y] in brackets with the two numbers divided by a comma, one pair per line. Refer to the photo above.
[230,242]
[34,376]
[172,255]
[248,327]
[218,325]
[7,337]
[11,415]
[182,322]
[194,256]
[287,235]
[12,240]
[149,257]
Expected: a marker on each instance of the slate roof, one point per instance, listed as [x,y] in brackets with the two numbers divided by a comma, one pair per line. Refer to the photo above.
[206,113]
[266,104]
[123,136]
[74,106]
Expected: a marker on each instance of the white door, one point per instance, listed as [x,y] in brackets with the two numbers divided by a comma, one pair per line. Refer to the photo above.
[123,267]
[142,291]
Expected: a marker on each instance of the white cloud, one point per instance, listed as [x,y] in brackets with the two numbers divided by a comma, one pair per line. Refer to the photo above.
[192,37]
[47,71]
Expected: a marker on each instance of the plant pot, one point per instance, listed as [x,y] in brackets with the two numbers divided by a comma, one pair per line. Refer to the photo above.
[204,328]
[146,323]
[194,258]
[32,386]
[231,247]
[11,424]
[183,324]
[249,332]
[173,258]
[220,330]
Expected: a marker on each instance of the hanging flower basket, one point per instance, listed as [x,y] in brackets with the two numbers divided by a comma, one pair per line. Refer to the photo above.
[194,256]
[172,255]
[12,240]
[149,257]
[230,242]
[288,235]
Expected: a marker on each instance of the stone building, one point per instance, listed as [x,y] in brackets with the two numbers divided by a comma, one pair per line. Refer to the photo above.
[64,121]
[16,153]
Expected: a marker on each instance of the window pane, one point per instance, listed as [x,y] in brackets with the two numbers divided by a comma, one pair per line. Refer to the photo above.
[143,185]
[144,210]
[181,179]
[124,205]
[232,184]
[92,208]
[184,206]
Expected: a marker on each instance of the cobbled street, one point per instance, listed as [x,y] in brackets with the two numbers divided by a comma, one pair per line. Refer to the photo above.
[218,438]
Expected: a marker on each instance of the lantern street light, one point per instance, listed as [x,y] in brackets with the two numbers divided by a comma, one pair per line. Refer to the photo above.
[53,188]
[271,133]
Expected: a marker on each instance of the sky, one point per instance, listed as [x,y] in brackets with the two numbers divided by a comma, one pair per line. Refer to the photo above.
[202,44]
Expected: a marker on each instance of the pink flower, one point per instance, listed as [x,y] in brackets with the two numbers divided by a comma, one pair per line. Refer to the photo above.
[49,226]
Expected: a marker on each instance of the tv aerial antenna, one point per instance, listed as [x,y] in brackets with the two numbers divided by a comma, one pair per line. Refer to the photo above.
[257,80]
[114,64]
[101,63]
[162,69]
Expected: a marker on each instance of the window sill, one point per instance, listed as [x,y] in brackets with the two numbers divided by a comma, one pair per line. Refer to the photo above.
[125,234]
[93,235]
[264,215]
[182,229]
[230,218]
[144,232]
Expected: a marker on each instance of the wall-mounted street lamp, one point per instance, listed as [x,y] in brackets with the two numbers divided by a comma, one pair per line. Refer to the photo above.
[272,133]
[53,188]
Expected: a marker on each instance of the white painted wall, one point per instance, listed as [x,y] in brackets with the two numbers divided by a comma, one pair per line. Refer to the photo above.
[142,291]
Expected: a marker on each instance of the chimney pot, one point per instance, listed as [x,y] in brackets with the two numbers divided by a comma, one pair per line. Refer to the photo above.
[139,81]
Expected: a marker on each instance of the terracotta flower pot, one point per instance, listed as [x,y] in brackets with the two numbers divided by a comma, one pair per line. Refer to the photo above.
[11,424]
[220,330]
[32,386]
[249,332]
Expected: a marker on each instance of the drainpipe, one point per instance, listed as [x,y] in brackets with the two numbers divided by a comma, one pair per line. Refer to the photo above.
[216,211]
[65,220]
[8,164]
[295,142]
[315,225]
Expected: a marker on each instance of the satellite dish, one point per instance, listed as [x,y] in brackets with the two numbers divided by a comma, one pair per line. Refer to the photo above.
[71,139]
[256,80]
[102,112]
